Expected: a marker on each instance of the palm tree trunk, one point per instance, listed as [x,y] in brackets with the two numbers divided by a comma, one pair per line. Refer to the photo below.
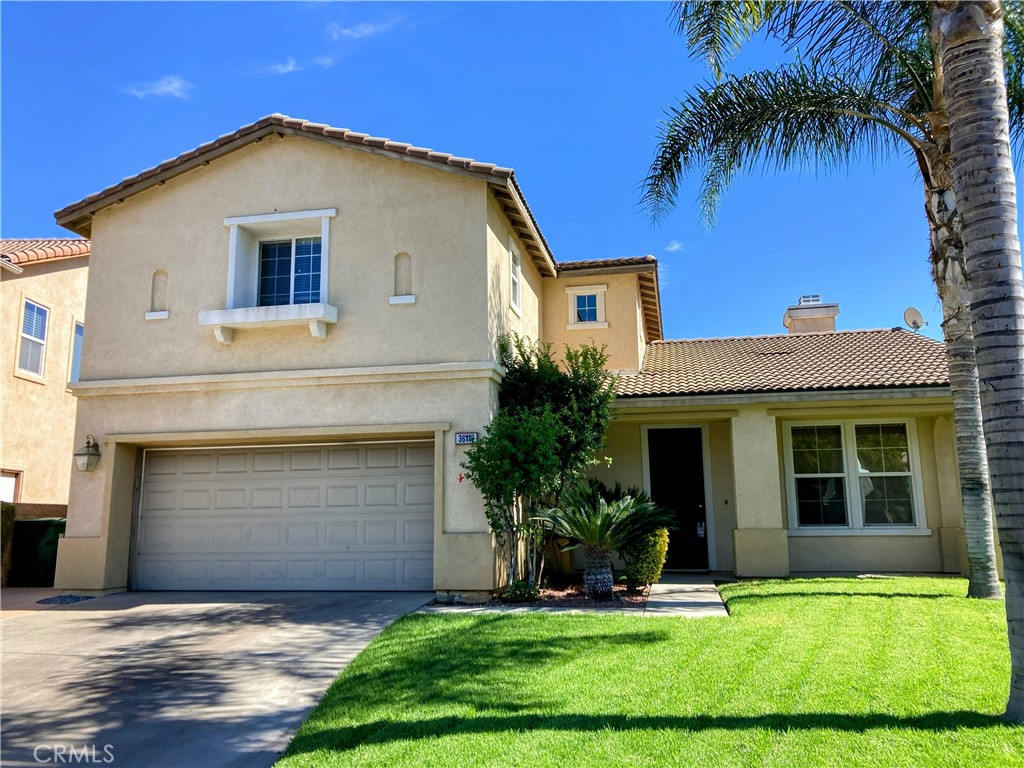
[970,40]
[951,282]
[597,573]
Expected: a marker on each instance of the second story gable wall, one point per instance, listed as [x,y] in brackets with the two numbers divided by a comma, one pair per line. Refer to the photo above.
[166,250]
[503,318]
[38,413]
[619,327]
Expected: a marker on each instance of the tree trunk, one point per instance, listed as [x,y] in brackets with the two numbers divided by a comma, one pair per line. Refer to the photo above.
[597,573]
[970,42]
[944,226]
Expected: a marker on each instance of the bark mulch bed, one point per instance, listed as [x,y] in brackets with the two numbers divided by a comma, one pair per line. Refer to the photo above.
[574,596]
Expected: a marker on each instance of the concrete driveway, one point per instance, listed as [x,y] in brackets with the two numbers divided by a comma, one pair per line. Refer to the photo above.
[169,679]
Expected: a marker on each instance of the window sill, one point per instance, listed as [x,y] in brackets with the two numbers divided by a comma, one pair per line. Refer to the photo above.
[160,315]
[226,321]
[584,326]
[405,298]
[873,531]
[29,376]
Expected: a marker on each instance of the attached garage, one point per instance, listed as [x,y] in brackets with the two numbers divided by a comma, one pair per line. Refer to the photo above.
[288,517]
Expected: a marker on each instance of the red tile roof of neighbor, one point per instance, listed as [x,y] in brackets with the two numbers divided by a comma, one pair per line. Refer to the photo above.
[876,359]
[42,249]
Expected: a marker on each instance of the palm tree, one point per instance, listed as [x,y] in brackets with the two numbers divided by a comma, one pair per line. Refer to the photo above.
[586,520]
[869,84]
[969,42]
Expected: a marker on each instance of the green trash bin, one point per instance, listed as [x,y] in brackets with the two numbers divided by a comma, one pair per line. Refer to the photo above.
[34,551]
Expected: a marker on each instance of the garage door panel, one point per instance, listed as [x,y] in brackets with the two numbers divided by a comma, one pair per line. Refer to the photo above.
[332,517]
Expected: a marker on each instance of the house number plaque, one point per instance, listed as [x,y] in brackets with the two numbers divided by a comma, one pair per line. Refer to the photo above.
[465,438]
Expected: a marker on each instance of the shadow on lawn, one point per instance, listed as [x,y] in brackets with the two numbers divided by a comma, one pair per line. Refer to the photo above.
[435,663]
[383,731]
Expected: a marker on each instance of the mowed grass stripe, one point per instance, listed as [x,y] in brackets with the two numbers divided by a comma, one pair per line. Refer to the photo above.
[805,672]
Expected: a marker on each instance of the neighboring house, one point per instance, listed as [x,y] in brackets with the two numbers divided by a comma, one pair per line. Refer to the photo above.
[291,327]
[42,294]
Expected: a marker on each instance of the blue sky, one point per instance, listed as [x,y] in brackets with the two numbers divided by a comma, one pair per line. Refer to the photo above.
[570,95]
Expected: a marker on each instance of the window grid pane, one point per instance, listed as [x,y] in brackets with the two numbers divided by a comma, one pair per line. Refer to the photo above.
[819,475]
[275,273]
[76,353]
[33,339]
[586,308]
[883,466]
[307,270]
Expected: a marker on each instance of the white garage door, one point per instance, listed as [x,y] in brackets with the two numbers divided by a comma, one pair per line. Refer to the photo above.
[324,517]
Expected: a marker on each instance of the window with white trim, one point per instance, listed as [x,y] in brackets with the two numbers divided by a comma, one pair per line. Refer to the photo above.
[516,271]
[586,306]
[853,476]
[32,349]
[76,352]
[278,259]
[289,271]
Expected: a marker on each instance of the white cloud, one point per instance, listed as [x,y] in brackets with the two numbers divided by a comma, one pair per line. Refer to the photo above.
[283,69]
[326,61]
[674,246]
[169,85]
[336,31]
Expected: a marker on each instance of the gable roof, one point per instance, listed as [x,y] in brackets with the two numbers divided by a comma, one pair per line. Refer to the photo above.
[646,270]
[804,362]
[25,251]
[78,216]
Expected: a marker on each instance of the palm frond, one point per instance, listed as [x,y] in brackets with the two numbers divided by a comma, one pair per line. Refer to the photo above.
[797,116]
[715,31]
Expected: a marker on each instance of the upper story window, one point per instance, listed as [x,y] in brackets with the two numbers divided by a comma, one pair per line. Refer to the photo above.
[277,274]
[32,351]
[290,271]
[278,258]
[76,352]
[586,306]
[516,271]
[852,476]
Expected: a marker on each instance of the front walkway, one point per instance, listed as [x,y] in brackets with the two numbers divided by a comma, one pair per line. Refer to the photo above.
[173,679]
[689,596]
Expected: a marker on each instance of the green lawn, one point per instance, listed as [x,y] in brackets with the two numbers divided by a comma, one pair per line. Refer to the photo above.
[806,672]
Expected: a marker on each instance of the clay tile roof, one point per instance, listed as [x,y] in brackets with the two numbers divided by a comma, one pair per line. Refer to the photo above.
[627,261]
[876,359]
[42,249]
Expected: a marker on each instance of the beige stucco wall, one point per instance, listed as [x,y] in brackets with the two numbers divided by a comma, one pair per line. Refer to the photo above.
[502,317]
[749,487]
[385,207]
[37,418]
[622,311]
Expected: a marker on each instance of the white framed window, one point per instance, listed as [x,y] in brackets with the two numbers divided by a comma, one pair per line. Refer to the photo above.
[516,277]
[586,307]
[32,341]
[290,271]
[853,476]
[75,369]
[278,259]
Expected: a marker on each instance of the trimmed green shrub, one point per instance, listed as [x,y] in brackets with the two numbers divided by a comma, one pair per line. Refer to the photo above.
[645,557]
[6,538]
[520,591]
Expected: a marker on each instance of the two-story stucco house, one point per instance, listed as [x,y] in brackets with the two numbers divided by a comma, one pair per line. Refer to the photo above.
[42,302]
[288,327]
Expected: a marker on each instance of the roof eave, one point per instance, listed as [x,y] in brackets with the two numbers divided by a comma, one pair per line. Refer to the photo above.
[932,392]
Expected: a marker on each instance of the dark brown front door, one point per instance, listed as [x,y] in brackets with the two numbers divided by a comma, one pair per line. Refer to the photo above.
[676,459]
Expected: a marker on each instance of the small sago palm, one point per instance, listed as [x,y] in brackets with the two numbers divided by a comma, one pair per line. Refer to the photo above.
[600,529]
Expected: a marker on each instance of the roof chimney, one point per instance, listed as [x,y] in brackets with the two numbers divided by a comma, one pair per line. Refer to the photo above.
[810,315]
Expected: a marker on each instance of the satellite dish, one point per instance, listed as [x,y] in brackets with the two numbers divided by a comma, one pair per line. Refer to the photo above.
[913,318]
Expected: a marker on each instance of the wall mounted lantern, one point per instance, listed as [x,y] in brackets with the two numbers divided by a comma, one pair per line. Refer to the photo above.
[88,457]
